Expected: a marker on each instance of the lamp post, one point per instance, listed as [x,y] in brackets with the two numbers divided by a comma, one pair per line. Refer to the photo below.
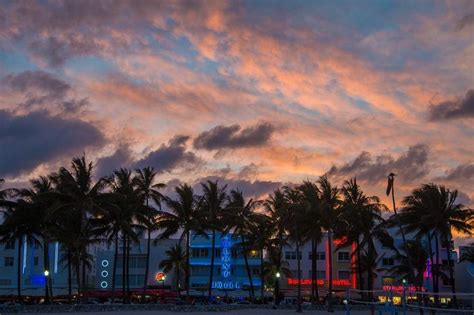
[163,286]
[277,286]
[46,288]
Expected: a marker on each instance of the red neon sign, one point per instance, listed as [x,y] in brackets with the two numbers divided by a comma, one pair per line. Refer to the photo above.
[320,282]
[399,288]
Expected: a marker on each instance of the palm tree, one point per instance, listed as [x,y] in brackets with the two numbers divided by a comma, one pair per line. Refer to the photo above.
[295,226]
[41,200]
[312,204]
[260,234]
[212,205]
[19,223]
[272,266]
[79,200]
[436,207]
[147,189]
[182,215]
[276,206]
[240,217]
[330,203]
[175,262]
[130,211]
[362,220]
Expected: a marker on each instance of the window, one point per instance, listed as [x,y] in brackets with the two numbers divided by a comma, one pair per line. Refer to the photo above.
[344,274]
[5,282]
[321,274]
[9,262]
[292,255]
[10,244]
[200,270]
[255,271]
[319,256]
[35,261]
[217,252]
[254,253]
[388,262]
[200,252]
[294,273]
[343,256]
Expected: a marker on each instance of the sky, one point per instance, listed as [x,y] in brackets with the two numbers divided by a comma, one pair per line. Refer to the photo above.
[256,94]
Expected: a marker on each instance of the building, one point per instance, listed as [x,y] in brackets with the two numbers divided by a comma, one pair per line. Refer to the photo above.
[32,269]
[230,273]
[344,268]
[103,267]
[464,272]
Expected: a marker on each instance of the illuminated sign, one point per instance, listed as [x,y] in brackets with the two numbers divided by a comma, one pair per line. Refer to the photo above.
[226,266]
[320,282]
[399,288]
[160,276]
[38,280]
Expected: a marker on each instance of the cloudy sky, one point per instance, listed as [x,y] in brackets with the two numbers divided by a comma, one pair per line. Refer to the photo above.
[255,93]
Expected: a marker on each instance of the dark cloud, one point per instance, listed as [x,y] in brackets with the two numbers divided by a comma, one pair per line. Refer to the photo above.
[461,108]
[121,158]
[410,166]
[467,20]
[251,189]
[170,156]
[460,173]
[30,140]
[233,137]
[42,89]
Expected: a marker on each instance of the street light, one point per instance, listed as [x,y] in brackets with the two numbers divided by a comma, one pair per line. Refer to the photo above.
[46,273]
[278,275]
[163,285]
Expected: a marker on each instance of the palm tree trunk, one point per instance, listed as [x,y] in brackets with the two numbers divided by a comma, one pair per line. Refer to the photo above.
[316,272]
[261,276]
[128,269]
[46,267]
[432,271]
[359,268]
[451,271]
[114,270]
[147,268]
[69,275]
[19,270]
[124,266]
[211,274]
[313,271]
[437,268]
[177,280]
[298,309]
[78,274]
[84,278]
[330,270]
[186,276]
[247,267]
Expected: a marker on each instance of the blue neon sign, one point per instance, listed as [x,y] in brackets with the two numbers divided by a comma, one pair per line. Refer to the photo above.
[226,266]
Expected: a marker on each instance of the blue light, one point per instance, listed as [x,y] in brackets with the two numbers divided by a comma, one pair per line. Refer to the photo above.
[38,280]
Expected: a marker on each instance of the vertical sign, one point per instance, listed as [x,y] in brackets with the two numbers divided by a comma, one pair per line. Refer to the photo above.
[225,257]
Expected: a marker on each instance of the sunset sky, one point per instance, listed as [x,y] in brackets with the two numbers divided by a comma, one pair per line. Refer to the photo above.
[254,93]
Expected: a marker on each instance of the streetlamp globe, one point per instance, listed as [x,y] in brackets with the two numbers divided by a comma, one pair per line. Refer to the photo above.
[278,275]
[46,273]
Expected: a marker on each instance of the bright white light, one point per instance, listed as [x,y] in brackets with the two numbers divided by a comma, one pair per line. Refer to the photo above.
[278,275]
[46,273]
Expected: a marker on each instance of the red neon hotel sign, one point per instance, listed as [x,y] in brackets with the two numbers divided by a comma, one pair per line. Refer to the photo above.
[320,282]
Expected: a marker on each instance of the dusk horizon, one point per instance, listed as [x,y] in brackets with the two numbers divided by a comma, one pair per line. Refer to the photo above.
[353,120]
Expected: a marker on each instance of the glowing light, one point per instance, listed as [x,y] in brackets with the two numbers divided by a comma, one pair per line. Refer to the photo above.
[104,284]
[278,275]
[320,282]
[104,273]
[25,244]
[104,263]
[160,276]
[46,273]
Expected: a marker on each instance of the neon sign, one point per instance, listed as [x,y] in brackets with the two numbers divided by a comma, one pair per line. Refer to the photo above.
[226,266]
[160,276]
[399,288]
[320,282]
